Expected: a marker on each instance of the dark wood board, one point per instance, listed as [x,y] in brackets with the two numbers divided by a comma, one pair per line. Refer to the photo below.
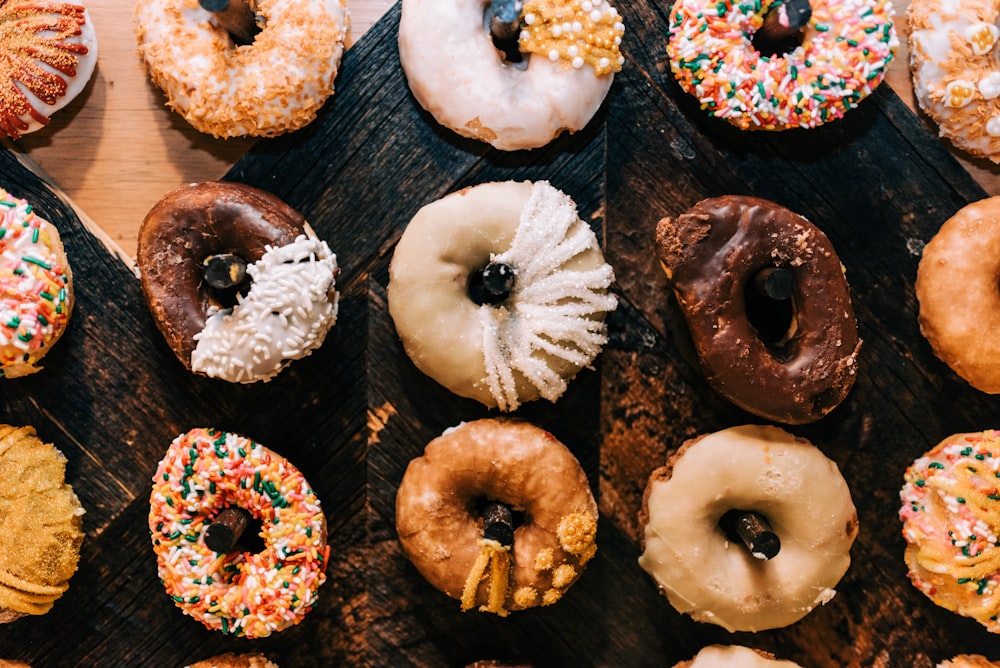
[352,415]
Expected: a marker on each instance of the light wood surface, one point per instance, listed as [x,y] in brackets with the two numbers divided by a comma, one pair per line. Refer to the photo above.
[117,149]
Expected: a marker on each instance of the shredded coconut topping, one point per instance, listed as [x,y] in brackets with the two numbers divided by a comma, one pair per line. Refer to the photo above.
[291,306]
[549,311]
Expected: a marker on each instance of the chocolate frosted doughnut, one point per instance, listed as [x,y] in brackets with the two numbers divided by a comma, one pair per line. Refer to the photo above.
[715,255]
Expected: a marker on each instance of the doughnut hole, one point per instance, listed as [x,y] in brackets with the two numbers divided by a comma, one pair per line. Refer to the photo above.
[477,509]
[508,47]
[773,316]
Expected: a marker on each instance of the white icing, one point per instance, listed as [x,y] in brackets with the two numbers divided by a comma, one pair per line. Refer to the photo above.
[548,308]
[993,126]
[291,306]
[989,86]
[735,656]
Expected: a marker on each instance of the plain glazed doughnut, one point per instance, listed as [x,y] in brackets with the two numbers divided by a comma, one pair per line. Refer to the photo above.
[734,656]
[513,463]
[548,327]
[292,301]
[254,595]
[951,519]
[761,469]
[458,75]
[48,52]
[957,292]
[36,287]
[274,85]
[712,255]
[845,51]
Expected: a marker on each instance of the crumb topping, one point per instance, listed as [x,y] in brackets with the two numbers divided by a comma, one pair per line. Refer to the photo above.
[578,32]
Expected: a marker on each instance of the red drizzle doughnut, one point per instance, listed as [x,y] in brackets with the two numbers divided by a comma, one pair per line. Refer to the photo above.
[712,254]
[245,594]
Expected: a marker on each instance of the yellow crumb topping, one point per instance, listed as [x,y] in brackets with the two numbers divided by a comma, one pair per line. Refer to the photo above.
[563,576]
[551,596]
[577,532]
[580,32]
[544,559]
[525,597]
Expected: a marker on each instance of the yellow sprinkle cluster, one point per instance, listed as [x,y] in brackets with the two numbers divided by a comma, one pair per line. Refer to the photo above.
[581,32]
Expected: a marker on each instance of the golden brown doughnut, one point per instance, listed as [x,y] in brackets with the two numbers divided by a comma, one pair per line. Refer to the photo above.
[233,660]
[968,661]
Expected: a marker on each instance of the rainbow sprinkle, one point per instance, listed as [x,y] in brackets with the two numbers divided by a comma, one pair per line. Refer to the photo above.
[34,286]
[252,595]
[843,57]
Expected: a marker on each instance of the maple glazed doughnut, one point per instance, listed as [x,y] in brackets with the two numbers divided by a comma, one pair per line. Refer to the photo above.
[275,84]
[526,470]
[48,52]
[758,469]
[951,520]
[845,51]
[36,287]
[714,255]
[291,303]
[956,290]
[570,51]
[254,595]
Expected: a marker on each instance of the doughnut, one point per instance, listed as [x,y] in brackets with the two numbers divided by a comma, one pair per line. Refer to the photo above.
[521,468]
[956,291]
[725,656]
[48,52]
[518,343]
[206,471]
[790,359]
[703,571]
[41,522]
[292,300]
[569,51]
[233,660]
[955,76]
[950,509]
[273,85]
[36,287]
[844,53]
[968,661]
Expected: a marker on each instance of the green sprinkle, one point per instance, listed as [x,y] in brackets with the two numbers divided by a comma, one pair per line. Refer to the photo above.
[40,263]
[919,483]
[935,465]
[243,453]
[7,203]
[962,581]
[822,28]
[34,236]
[982,586]
[960,499]
[42,319]
[45,295]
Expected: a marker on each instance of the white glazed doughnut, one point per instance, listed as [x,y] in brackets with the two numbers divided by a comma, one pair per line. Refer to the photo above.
[48,51]
[461,78]
[734,656]
[762,469]
[549,327]
[953,57]
[272,86]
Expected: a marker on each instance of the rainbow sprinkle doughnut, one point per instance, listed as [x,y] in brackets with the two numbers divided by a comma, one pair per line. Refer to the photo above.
[845,51]
[36,292]
[244,594]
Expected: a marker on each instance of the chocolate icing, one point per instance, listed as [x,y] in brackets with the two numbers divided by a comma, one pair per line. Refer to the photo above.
[188,225]
[711,254]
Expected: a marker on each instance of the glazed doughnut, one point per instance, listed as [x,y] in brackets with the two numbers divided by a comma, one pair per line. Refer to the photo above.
[727,656]
[951,517]
[205,471]
[537,334]
[713,254]
[955,75]
[274,85]
[233,660]
[41,522]
[968,661]
[845,51]
[36,287]
[570,50]
[527,470]
[760,469]
[292,302]
[48,52]
[956,289]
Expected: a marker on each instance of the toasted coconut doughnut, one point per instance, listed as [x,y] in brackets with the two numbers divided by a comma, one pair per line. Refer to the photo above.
[713,254]
[527,470]
[263,89]
[458,75]
[957,291]
[48,52]
[951,520]
[40,524]
[36,287]
[291,303]
[233,660]
[205,471]
[532,341]
[734,656]
[765,470]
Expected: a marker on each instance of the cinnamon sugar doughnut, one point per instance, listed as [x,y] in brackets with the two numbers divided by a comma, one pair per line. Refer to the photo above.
[957,292]
[274,85]
[529,471]
[734,656]
[48,52]
[765,470]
